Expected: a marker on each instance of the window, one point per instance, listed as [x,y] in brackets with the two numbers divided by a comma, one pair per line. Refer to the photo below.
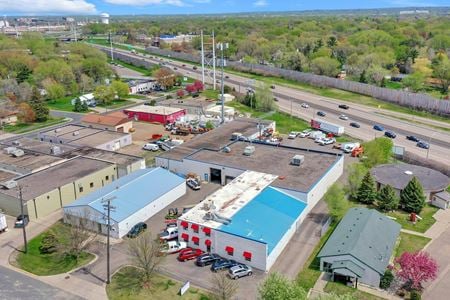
[196,240]
[184,224]
[81,189]
[107,177]
[185,236]
[91,184]
[48,197]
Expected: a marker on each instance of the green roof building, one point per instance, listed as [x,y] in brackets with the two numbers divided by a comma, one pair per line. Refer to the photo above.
[360,248]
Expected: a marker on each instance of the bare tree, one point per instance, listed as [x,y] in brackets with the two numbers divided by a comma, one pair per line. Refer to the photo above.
[79,235]
[145,254]
[223,287]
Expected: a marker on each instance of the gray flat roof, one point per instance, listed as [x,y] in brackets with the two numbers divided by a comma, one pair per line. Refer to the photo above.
[30,160]
[111,156]
[183,103]
[273,160]
[37,145]
[70,128]
[44,181]
[217,138]
[98,138]
[5,175]
[398,176]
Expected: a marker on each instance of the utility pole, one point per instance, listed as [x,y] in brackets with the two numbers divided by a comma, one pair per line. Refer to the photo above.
[108,207]
[214,61]
[25,243]
[203,58]
[222,47]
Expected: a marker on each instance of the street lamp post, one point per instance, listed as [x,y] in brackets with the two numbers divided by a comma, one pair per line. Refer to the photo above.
[429,143]
[108,207]
[111,44]
[222,47]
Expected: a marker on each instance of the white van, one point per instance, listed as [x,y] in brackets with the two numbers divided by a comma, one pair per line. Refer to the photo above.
[151,147]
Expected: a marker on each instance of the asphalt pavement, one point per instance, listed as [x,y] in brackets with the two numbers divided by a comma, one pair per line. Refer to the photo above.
[14,285]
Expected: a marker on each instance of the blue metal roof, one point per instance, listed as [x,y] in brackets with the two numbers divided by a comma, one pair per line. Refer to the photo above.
[266,218]
[132,192]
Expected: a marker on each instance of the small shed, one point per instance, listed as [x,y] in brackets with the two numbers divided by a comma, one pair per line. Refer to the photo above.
[441,200]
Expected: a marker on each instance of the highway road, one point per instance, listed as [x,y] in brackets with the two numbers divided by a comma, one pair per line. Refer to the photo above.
[290,100]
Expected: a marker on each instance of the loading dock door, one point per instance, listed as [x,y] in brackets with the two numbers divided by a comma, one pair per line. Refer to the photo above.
[228,179]
[216,175]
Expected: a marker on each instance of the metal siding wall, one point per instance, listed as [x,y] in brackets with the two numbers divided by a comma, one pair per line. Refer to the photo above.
[45,206]
[151,209]
[10,205]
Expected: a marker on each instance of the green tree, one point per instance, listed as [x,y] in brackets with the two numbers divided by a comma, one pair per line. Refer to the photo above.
[441,71]
[376,74]
[39,107]
[356,173]
[336,201]
[332,41]
[80,106]
[54,90]
[377,151]
[362,77]
[278,287]
[366,193]
[264,98]
[325,66]
[104,94]
[387,199]
[414,81]
[49,243]
[412,197]
[386,279]
[121,88]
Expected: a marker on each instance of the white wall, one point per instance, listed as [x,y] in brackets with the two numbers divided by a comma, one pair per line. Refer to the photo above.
[110,146]
[151,209]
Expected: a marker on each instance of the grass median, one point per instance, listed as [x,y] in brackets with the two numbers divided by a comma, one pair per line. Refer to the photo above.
[27,127]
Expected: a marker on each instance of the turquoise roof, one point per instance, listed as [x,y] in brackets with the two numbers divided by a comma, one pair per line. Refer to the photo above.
[366,235]
[132,192]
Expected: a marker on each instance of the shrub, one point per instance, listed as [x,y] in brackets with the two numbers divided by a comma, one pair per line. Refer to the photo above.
[49,243]
[386,279]
[415,295]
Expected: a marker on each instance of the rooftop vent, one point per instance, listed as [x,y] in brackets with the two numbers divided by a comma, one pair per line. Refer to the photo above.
[57,129]
[297,160]
[9,184]
[10,150]
[16,143]
[18,153]
[249,150]
[408,172]
[75,133]
[55,150]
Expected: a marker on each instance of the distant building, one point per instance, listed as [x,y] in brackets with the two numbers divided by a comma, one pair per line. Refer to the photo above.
[89,99]
[108,122]
[360,248]
[141,86]
[8,117]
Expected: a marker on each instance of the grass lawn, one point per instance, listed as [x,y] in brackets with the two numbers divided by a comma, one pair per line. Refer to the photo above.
[211,94]
[421,226]
[410,243]
[49,264]
[142,70]
[116,103]
[307,277]
[341,289]
[125,285]
[25,127]
[64,104]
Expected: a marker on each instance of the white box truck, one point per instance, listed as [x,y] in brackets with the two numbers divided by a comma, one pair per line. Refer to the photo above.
[327,127]
[3,225]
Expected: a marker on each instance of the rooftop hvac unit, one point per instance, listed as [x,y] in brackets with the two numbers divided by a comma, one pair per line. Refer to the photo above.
[75,133]
[16,143]
[55,150]
[18,153]
[57,129]
[10,150]
[249,150]
[297,160]
[10,184]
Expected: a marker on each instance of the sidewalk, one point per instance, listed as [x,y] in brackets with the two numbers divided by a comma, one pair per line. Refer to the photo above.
[442,223]
[377,292]
[13,240]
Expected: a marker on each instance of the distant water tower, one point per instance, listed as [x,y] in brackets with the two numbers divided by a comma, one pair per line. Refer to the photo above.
[104,18]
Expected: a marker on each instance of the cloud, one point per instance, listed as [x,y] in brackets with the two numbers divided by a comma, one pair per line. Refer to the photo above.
[409,3]
[146,2]
[201,1]
[260,3]
[47,6]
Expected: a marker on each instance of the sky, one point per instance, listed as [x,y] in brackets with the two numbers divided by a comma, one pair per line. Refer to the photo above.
[162,7]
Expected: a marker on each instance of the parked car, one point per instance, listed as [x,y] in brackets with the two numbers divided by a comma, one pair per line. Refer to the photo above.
[344,106]
[239,271]
[305,105]
[169,233]
[354,124]
[272,87]
[305,133]
[21,221]
[275,99]
[194,67]
[136,230]
[413,138]
[321,113]
[193,184]
[318,139]
[390,134]
[343,117]
[378,127]
[206,259]
[292,135]
[173,247]
[189,253]
[151,147]
[226,76]
[327,141]
[223,264]
[423,145]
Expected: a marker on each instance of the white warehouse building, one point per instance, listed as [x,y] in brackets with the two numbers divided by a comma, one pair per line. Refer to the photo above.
[136,198]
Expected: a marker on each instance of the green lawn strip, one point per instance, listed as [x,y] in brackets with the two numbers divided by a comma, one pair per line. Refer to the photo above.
[126,284]
[144,71]
[341,289]
[64,104]
[308,276]
[410,243]
[25,127]
[420,226]
[211,94]
[49,264]
[116,104]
